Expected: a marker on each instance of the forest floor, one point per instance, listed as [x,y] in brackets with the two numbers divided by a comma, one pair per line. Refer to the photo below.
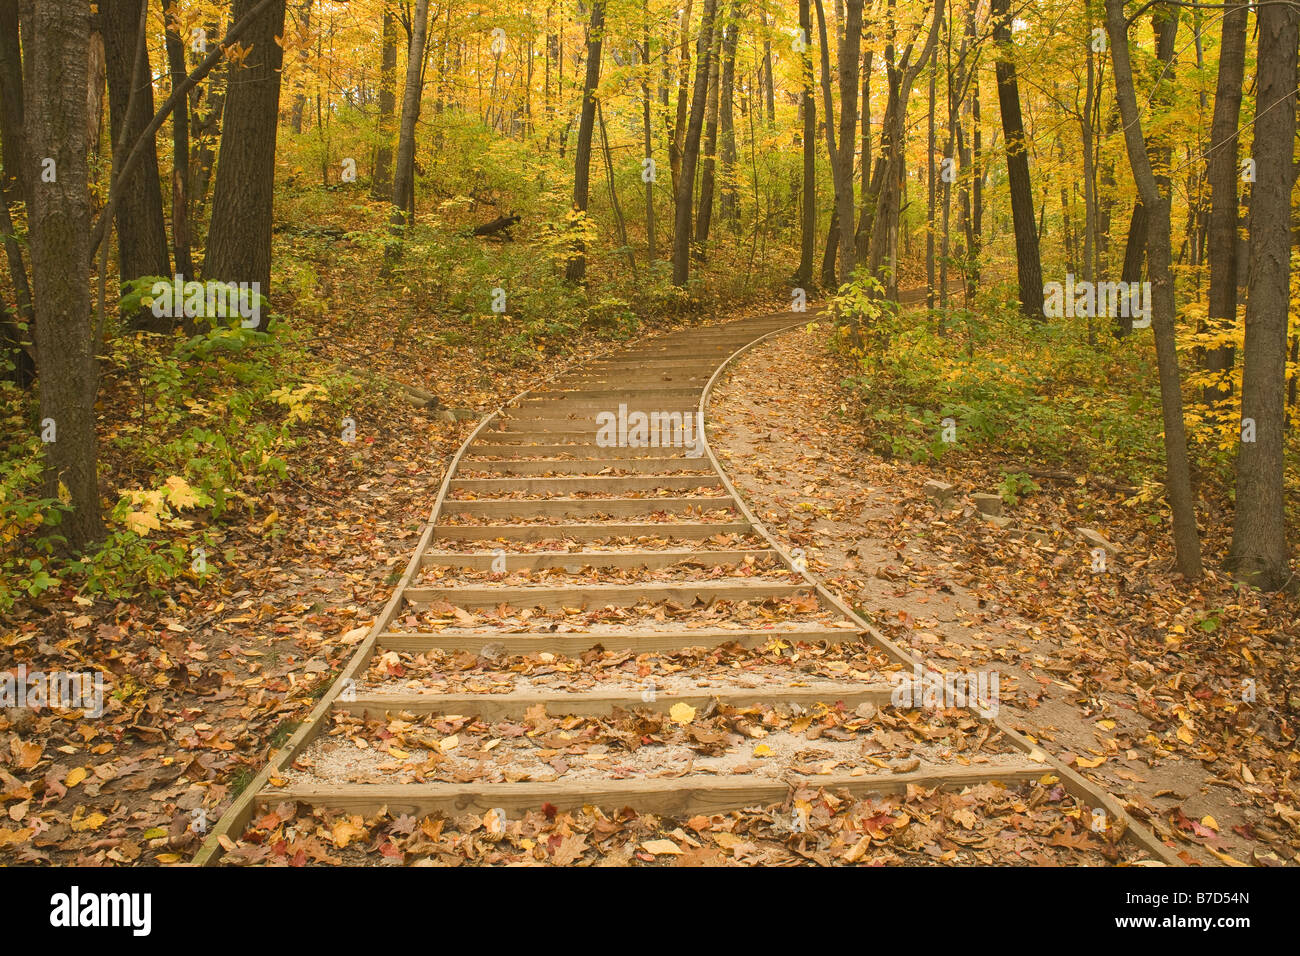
[1131,676]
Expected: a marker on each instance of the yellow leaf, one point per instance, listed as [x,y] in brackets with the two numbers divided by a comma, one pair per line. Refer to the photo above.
[682,713]
[1185,735]
[1209,821]
[92,822]
[1087,763]
[449,744]
[345,831]
[658,847]
[141,522]
[762,750]
[75,776]
[180,493]
[398,753]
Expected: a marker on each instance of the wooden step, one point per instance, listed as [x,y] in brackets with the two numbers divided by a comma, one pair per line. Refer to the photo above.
[660,530]
[583,507]
[603,595]
[531,446]
[577,560]
[590,466]
[605,484]
[491,707]
[681,797]
[573,643]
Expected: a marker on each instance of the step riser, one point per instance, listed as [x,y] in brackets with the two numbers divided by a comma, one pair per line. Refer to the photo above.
[571,645]
[597,597]
[592,467]
[682,531]
[574,562]
[585,507]
[569,485]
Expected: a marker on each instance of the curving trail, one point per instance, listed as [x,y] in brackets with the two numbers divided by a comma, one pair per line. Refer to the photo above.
[556,532]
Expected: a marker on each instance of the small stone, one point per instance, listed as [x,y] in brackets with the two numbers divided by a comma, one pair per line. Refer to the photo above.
[1002,521]
[1095,540]
[493,651]
[940,491]
[987,504]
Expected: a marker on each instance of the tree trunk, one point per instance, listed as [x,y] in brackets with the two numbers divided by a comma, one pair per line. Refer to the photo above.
[404,174]
[730,200]
[11,103]
[141,229]
[1029,268]
[691,150]
[576,270]
[1178,482]
[677,134]
[56,38]
[1259,553]
[1221,173]
[381,183]
[180,150]
[808,219]
[704,212]
[646,133]
[239,239]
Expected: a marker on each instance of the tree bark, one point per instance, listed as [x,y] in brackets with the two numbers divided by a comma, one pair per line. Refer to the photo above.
[691,150]
[404,174]
[729,203]
[141,229]
[1259,553]
[180,150]
[239,238]
[704,210]
[381,183]
[1178,482]
[11,103]
[1221,173]
[1029,268]
[576,269]
[57,36]
[808,219]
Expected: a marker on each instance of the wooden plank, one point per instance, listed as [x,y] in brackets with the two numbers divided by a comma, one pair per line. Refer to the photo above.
[601,595]
[577,560]
[605,484]
[678,797]
[660,530]
[599,703]
[574,643]
[584,507]
[590,466]
[521,444]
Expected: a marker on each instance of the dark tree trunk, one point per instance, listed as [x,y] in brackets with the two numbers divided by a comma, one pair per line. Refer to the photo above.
[180,151]
[691,150]
[1221,173]
[808,219]
[1178,481]
[704,210]
[404,174]
[57,36]
[646,132]
[1259,552]
[141,229]
[729,203]
[11,103]
[1029,268]
[576,270]
[381,183]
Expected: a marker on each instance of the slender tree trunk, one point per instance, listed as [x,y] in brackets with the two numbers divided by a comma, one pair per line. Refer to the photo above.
[56,37]
[180,149]
[576,270]
[1178,481]
[404,173]
[381,183]
[691,150]
[11,103]
[677,135]
[730,200]
[1259,551]
[141,229]
[1028,266]
[239,239]
[648,141]
[1221,172]
[704,210]
[808,219]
